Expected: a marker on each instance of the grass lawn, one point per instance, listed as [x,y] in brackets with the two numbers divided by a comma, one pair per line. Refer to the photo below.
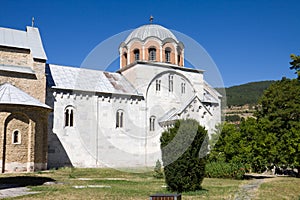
[280,188]
[113,184]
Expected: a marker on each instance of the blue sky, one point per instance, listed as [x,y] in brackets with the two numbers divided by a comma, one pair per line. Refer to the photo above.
[249,40]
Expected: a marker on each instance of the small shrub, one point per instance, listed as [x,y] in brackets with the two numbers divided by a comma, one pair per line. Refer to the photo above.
[158,172]
[224,170]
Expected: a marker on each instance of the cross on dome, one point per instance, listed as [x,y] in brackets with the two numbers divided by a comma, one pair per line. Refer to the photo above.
[151,19]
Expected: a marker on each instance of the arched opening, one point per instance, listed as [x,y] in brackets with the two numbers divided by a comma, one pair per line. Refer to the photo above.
[69,116]
[158,83]
[136,53]
[120,119]
[16,137]
[152,54]
[152,123]
[171,83]
[124,59]
[168,55]
[183,88]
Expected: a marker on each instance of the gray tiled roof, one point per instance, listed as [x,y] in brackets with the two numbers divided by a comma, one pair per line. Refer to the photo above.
[29,39]
[73,78]
[12,95]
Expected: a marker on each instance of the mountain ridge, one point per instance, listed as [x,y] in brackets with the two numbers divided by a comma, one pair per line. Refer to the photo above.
[245,94]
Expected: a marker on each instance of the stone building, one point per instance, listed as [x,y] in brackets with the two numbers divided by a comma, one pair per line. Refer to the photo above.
[23,112]
[99,118]
[115,119]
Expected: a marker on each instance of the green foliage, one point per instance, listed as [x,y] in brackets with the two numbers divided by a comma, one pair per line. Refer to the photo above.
[232,118]
[181,145]
[158,172]
[279,116]
[273,138]
[222,169]
[295,64]
[248,93]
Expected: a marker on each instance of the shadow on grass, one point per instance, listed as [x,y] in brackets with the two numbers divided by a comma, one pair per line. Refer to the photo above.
[23,181]
[197,192]
[257,176]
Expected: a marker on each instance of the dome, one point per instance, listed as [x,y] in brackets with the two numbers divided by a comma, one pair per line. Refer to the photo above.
[150,30]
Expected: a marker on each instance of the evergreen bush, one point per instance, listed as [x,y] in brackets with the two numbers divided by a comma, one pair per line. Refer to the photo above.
[181,145]
[158,172]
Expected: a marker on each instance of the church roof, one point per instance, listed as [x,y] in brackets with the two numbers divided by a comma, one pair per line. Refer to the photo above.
[73,78]
[10,94]
[211,95]
[150,30]
[29,39]
[174,114]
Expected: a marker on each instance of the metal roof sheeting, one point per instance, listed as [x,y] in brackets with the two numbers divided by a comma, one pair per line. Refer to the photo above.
[14,68]
[12,95]
[29,39]
[72,78]
[150,30]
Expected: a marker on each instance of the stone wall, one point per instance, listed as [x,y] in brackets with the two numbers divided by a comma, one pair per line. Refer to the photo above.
[32,83]
[30,152]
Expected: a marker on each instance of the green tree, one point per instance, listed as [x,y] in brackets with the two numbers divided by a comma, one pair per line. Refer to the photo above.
[279,117]
[181,145]
[236,143]
[295,64]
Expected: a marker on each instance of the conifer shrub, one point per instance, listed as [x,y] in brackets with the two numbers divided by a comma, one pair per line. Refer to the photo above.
[182,146]
[158,172]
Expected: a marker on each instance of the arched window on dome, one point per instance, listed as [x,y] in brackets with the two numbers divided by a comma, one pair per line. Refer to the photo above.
[124,59]
[136,53]
[168,54]
[152,54]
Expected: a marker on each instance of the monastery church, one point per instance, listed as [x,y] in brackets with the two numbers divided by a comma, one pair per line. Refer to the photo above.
[53,116]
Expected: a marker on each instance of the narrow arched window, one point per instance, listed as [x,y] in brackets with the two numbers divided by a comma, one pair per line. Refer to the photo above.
[69,116]
[168,55]
[178,59]
[152,54]
[136,53]
[125,59]
[120,119]
[171,83]
[183,88]
[152,123]
[158,83]
[16,137]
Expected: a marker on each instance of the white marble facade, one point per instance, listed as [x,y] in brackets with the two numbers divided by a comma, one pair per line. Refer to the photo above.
[104,119]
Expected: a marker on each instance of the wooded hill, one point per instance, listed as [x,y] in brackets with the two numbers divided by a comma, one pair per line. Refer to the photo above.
[248,93]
